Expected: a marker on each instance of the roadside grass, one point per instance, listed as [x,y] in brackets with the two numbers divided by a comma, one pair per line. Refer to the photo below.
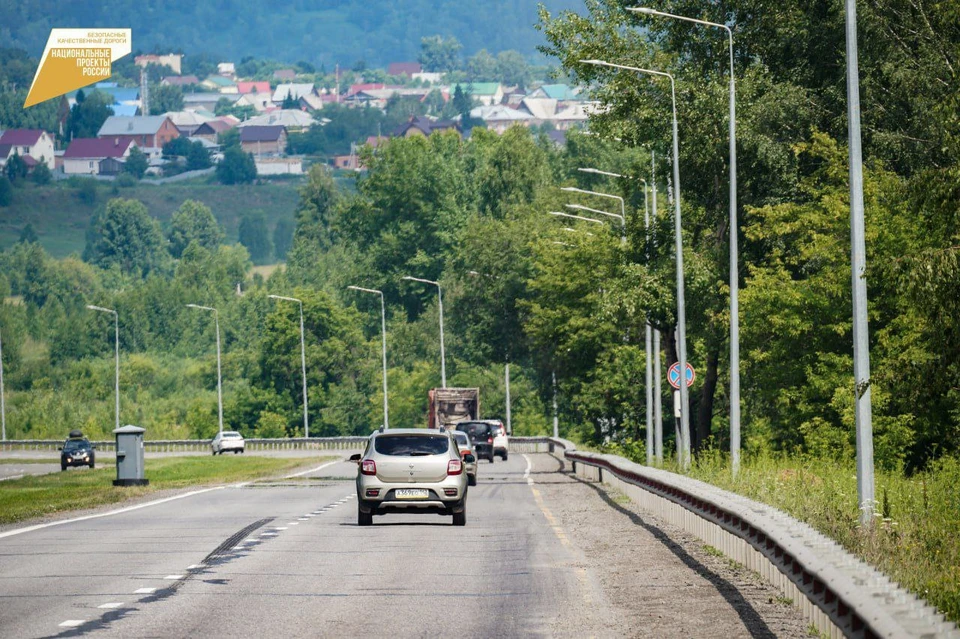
[914,537]
[76,489]
[53,459]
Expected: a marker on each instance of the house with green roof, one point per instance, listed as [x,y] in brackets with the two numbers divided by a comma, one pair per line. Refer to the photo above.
[220,84]
[559,92]
[487,93]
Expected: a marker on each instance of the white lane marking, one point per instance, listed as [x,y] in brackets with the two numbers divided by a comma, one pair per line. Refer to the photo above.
[269,534]
[279,527]
[156,502]
[312,470]
[303,519]
[526,473]
[194,566]
[144,591]
[239,548]
[173,577]
[20,476]
[73,623]
[294,523]
[111,605]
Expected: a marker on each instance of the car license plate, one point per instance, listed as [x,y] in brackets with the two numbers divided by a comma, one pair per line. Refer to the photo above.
[411,493]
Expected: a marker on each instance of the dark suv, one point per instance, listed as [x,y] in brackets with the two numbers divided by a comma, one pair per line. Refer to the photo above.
[77,451]
[481,435]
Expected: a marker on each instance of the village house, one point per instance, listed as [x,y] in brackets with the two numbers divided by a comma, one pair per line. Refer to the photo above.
[421,125]
[293,120]
[149,132]
[180,80]
[206,101]
[263,140]
[404,68]
[32,145]
[186,122]
[89,156]
[227,69]
[499,117]
[295,91]
[220,84]
[284,74]
[487,93]
[172,60]
[211,129]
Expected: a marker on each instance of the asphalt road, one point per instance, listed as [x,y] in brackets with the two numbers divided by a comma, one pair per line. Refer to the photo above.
[286,559]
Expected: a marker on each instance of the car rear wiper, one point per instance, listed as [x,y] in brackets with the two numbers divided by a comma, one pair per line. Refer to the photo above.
[419,454]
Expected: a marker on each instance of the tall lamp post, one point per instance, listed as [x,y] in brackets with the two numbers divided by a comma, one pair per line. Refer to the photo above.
[383,339]
[216,320]
[443,357]
[681,303]
[734,259]
[623,207]
[3,406]
[116,334]
[303,361]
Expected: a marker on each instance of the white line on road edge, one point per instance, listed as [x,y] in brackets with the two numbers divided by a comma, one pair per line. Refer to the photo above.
[312,470]
[20,531]
[20,476]
[73,623]
[111,605]
[526,473]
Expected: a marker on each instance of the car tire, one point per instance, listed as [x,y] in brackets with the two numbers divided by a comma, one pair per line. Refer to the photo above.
[460,519]
[63,467]
[471,480]
[365,519]
[505,455]
[491,457]
[214,453]
[92,465]
[236,451]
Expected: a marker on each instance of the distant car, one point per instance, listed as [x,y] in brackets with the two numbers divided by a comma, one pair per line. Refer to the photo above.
[226,441]
[414,471]
[500,443]
[77,451]
[463,443]
[481,437]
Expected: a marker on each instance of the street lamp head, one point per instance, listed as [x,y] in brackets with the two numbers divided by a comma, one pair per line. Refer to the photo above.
[599,63]
[571,189]
[100,308]
[286,299]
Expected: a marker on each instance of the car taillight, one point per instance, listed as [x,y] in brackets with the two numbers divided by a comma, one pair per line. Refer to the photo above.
[454,467]
[489,440]
[368,467]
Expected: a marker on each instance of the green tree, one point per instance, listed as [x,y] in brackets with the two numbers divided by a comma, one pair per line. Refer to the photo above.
[15,168]
[165,98]
[439,54]
[197,157]
[289,102]
[512,69]
[124,235]
[28,235]
[136,163]
[282,238]
[193,221]
[6,191]
[179,146]
[482,67]
[255,236]
[41,174]
[236,167]
[88,114]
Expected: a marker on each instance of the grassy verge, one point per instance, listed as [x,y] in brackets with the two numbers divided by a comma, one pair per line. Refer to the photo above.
[30,460]
[914,536]
[30,497]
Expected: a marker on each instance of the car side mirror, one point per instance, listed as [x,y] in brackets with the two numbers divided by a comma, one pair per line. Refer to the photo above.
[469,458]
[93,446]
[59,447]
[355,458]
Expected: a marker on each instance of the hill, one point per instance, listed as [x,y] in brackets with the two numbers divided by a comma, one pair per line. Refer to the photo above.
[61,218]
[325,32]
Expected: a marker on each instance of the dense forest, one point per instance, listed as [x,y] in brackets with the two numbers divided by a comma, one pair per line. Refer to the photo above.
[324,32]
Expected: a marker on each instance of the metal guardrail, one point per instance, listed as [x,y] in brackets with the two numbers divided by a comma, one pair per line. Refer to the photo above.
[839,594]
[193,445]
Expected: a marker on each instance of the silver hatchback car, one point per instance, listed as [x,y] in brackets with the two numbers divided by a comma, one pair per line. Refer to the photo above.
[412,471]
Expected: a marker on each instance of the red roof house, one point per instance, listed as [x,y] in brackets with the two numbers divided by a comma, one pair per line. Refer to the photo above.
[254,87]
[84,155]
[404,68]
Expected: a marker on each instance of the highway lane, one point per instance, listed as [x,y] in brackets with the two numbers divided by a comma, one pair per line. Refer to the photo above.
[315,573]
[286,558]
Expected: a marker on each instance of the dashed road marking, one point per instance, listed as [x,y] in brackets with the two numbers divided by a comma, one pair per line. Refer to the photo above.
[279,527]
[73,623]
[174,577]
[194,566]
[144,591]
[294,523]
[111,605]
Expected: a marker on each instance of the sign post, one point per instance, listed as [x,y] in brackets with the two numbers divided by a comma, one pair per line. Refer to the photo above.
[673,376]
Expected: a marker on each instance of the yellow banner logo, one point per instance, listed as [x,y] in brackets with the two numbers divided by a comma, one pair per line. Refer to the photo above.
[75,58]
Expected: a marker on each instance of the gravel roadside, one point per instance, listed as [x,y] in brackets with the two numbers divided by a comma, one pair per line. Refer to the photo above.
[661,581]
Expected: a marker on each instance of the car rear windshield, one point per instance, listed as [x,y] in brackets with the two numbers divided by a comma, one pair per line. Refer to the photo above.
[411,445]
[474,429]
[462,438]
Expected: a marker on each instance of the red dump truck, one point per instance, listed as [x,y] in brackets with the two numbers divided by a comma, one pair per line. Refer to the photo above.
[450,406]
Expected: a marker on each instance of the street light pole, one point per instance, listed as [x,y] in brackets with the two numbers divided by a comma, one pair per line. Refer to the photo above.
[383,340]
[858,261]
[574,217]
[303,362]
[116,329]
[734,259]
[654,429]
[681,302]
[216,320]
[3,406]
[658,399]
[623,207]
[443,357]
